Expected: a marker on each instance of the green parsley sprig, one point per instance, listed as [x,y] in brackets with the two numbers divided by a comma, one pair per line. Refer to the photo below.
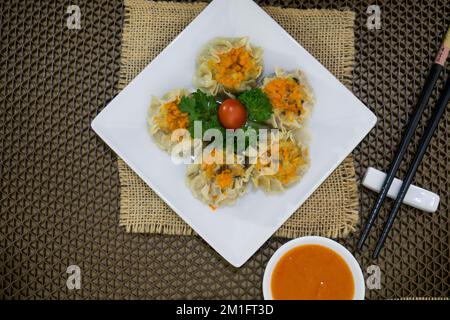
[257,104]
[201,107]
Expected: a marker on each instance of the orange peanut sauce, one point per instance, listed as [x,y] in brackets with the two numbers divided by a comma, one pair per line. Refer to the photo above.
[312,272]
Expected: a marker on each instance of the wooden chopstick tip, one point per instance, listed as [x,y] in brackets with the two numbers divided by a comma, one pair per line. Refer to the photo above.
[444,50]
[446,42]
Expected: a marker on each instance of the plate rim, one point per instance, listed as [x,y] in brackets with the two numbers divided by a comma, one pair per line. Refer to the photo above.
[99,130]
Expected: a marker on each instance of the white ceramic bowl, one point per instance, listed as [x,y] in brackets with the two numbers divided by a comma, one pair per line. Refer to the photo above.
[358,277]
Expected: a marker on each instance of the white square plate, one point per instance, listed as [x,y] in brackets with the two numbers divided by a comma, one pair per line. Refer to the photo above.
[339,122]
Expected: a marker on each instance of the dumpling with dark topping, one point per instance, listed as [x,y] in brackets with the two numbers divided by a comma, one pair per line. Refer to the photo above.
[280,163]
[291,98]
[217,183]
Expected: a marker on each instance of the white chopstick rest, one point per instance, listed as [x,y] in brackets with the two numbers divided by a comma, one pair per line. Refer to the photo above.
[415,197]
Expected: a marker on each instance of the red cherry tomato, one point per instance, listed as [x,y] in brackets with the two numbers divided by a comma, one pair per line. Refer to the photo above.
[232,114]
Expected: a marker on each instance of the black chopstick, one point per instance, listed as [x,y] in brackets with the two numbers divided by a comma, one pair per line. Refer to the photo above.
[423,144]
[430,83]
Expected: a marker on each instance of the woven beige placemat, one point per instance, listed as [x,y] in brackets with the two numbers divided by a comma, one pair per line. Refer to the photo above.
[332,210]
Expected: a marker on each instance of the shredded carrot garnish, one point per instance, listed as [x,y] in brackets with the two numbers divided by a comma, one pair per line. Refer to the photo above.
[285,94]
[224,179]
[233,68]
[170,117]
[222,175]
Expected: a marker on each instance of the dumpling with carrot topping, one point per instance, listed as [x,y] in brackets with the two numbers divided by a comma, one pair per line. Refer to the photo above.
[281,163]
[230,65]
[290,96]
[164,117]
[217,183]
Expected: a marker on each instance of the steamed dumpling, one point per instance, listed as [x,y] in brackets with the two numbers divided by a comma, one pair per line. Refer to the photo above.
[164,117]
[291,98]
[230,65]
[216,183]
[281,163]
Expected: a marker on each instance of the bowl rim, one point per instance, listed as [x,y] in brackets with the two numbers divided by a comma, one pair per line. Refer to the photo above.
[348,257]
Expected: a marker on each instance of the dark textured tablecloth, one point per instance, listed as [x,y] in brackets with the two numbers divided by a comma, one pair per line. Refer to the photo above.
[59,187]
